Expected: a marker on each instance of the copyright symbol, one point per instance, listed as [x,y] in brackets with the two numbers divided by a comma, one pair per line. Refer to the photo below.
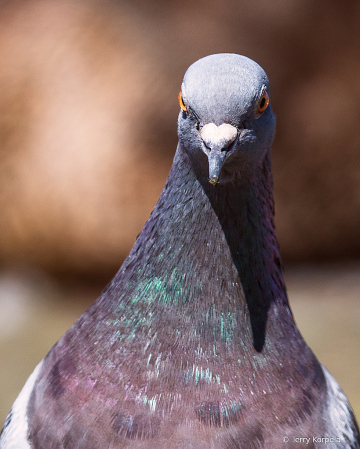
[286,439]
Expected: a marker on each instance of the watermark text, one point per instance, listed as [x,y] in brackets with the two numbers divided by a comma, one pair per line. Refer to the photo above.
[308,440]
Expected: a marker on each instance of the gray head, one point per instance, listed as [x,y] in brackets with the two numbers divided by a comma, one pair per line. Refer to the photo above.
[226,124]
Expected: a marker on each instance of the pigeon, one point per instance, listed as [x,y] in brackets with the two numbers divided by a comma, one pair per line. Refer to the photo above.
[193,344]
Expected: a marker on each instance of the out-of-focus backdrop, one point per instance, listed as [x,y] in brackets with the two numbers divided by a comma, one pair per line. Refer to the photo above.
[88,110]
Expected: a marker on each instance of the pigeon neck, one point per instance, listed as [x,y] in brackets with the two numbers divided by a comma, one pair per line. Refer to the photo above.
[211,250]
[205,241]
[244,210]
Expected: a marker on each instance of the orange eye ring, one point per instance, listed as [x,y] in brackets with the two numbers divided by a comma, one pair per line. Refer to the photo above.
[181,102]
[264,102]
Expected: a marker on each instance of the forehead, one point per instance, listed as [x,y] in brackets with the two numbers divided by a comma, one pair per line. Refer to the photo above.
[223,84]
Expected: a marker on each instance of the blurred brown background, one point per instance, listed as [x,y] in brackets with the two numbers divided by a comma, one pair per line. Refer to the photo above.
[88,109]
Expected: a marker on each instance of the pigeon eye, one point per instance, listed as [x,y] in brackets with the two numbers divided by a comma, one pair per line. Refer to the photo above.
[264,102]
[181,102]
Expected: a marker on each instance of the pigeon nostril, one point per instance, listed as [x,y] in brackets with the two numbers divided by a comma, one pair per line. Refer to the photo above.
[229,146]
[218,139]
[208,147]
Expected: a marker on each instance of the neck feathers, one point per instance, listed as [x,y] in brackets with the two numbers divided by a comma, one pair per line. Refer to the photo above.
[212,236]
[209,247]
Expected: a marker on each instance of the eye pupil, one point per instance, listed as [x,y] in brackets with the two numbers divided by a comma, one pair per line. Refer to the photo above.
[264,102]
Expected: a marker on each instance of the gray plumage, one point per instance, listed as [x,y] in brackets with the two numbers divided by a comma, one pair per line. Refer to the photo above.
[193,344]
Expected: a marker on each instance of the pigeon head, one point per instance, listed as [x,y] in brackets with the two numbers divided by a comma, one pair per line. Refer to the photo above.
[226,124]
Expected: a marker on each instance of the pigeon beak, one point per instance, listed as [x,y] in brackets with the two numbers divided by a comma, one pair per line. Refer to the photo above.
[217,140]
[216,160]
